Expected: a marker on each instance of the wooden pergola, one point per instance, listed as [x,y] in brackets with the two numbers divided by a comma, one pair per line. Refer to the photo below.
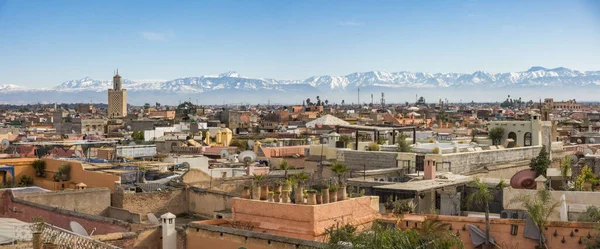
[377,130]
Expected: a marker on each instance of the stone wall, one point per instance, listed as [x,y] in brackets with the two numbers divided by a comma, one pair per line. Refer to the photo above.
[205,202]
[88,201]
[464,162]
[356,160]
[11,207]
[215,234]
[158,203]
[122,214]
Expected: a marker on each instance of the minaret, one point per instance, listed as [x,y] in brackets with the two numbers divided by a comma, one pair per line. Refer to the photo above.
[117,98]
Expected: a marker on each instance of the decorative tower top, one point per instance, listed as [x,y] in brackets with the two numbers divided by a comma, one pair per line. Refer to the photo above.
[117,81]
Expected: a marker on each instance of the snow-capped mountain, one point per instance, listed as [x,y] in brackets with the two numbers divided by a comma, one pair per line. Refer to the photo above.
[535,76]
[232,86]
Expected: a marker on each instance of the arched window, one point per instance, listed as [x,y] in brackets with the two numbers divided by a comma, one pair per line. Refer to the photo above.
[513,136]
[527,137]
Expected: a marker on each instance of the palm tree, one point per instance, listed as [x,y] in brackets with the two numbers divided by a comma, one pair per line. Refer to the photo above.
[285,167]
[539,207]
[482,196]
[339,169]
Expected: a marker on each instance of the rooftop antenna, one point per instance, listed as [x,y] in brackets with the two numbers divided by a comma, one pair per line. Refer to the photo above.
[359,96]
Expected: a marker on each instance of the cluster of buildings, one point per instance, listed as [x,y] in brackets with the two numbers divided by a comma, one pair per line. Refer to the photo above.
[158,176]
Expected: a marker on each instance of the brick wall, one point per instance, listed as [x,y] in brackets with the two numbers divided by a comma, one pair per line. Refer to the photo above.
[157,203]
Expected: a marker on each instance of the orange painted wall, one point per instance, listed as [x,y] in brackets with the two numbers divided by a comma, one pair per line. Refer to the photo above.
[500,231]
[92,179]
[304,221]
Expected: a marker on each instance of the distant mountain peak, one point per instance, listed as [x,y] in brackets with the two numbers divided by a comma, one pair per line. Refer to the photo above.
[536,68]
[230,74]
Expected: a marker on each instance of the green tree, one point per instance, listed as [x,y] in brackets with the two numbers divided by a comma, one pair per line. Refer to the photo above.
[540,163]
[403,145]
[242,145]
[566,166]
[345,138]
[137,136]
[539,207]
[339,169]
[496,134]
[482,196]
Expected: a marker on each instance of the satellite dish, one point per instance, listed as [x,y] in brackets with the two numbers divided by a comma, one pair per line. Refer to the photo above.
[224,154]
[251,144]
[247,156]
[4,144]
[152,219]
[78,229]
[132,144]
[128,128]
[24,139]
[588,152]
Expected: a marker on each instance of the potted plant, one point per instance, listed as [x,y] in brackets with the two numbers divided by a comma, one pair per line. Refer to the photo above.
[285,196]
[340,169]
[319,197]
[270,196]
[40,168]
[276,196]
[333,193]
[325,192]
[312,197]
[37,227]
[246,192]
[299,178]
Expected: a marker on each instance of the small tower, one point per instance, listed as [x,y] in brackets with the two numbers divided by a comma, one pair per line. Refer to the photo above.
[117,85]
[168,231]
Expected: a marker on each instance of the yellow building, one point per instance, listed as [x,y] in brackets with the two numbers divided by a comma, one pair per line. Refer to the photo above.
[222,138]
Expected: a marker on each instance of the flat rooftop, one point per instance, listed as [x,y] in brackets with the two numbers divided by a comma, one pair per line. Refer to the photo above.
[426,185]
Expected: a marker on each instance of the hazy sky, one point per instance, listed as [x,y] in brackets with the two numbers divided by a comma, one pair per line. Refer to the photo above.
[46,42]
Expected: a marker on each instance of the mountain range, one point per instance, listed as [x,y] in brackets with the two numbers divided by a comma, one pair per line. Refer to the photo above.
[374,80]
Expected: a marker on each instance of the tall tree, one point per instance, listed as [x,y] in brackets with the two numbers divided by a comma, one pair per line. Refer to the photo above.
[482,196]
[403,145]
[339,169]
[541,163]
[496,134]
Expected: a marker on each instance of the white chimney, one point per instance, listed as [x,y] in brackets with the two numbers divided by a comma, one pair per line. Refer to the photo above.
[168,231]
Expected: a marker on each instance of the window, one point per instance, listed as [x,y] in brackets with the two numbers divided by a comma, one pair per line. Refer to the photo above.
[514,229]
[527,137]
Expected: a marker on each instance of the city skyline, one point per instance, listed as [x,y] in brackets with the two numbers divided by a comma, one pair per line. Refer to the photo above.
[296,40]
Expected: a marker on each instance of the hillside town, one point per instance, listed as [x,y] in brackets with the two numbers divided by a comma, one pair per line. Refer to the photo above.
[509,174]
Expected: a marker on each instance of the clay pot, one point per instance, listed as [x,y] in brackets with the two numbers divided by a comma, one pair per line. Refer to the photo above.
[246,193]
[332,197]
[264,193]
[50,246]
[325,195]
[285,196]
[276,197]
[299,195]
[312,198]
[342,194]
[255,193]
[270,197]
[319,198]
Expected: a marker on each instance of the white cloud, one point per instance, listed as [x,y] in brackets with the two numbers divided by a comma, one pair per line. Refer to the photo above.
[154,36]
[350,23]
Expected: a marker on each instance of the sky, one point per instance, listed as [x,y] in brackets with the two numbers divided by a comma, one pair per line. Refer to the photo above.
[46,42]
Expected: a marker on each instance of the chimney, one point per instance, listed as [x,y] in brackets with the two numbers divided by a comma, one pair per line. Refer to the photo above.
[430,168]
[169,235]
